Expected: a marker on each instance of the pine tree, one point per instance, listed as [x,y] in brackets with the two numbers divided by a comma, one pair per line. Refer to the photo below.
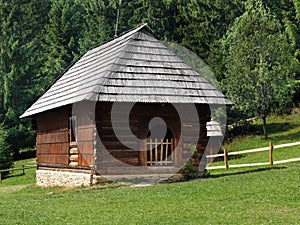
[19,65]
[61,41]
[96,28]
[205,22]
[161,16]
[6,160]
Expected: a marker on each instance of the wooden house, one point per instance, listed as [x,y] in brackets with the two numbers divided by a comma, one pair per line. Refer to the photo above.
[94,120]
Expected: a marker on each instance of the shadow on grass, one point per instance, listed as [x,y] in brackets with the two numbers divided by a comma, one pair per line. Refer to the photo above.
[274,128]
[247,171]
[12,175]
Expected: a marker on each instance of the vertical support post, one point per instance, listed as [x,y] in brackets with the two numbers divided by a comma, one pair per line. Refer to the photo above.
[156,144]
[161,151]
[23,169]
[226,159]
[0,177]
[271,153]
[151,159]
[143,152]
[167,145]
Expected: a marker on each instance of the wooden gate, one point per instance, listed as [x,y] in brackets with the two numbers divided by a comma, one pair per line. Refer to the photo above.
[160,152]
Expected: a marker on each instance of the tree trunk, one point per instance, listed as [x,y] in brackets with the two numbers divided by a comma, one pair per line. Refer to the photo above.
[264,118]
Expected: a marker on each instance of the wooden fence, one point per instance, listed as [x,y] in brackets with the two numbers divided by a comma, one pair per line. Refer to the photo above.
[160,152]
[23,168]
[270,148]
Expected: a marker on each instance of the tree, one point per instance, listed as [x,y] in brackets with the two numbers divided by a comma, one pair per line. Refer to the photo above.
[161,16]
[6,160]
[205,22]
[20,25]
[288,13]
[96,26]
[260,65]
[61,41]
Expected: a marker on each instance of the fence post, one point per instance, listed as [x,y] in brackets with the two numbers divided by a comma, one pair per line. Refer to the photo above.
[271,153]
[226,159]
[0,176]
[23,169]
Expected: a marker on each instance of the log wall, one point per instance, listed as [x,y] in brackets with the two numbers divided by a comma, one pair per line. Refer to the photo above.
[53,137]
[52,141]
[85,134]
[53,144]
[139,119]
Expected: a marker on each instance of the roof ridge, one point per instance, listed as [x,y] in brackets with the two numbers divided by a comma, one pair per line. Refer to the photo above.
[122,35]
[114,64]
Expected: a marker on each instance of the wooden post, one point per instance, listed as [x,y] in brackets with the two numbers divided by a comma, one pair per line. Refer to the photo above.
[271,153]
[23,169]
[143,152]
[167,145]
[226,159]
[156,151]
[151,152]
[0,176]
[161,151]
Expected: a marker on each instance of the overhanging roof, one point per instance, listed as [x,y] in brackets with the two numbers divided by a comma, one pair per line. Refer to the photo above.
[135,67]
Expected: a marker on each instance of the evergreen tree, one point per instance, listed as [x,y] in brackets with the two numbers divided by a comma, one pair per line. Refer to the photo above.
[161,16]
[19,66]
[260,65]
[61,41]
[96,27]
[205,22]
[6,160]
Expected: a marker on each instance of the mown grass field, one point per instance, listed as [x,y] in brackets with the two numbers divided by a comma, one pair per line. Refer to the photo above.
[282,130]
[259,195]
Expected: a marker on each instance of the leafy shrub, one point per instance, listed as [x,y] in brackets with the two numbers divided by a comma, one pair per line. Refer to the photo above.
[27,153]
[189,170]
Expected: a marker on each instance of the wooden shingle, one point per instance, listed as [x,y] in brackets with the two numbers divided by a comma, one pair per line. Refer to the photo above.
[135,67]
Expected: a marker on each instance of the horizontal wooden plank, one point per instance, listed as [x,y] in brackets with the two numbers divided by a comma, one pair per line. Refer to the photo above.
[86,147]
[53,137]
[53,159]
[56,148]
[286,145]
[85,135]
[85,159]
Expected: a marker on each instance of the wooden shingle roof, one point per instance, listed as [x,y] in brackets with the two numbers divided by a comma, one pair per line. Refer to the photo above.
[135,67]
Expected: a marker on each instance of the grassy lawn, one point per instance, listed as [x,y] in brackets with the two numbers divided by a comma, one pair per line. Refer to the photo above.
[260,195]
[249,196]
[283,129]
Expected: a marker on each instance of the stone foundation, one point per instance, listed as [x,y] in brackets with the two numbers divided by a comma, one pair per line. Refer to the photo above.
[61,178]
[49,177]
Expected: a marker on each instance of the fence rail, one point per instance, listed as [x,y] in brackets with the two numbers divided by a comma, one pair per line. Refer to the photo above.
[23,168]
[270,149]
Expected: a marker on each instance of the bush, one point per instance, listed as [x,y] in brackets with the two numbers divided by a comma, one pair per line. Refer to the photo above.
[27,153]
[6,160]
[189,170]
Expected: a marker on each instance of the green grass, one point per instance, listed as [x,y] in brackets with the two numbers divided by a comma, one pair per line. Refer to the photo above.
[264,196]
[261,195]
[283,129]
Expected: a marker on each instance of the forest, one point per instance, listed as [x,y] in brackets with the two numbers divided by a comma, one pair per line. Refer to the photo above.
[252,46]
